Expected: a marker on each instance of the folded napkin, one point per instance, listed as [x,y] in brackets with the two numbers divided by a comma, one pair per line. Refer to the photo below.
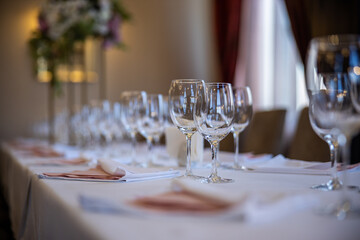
[178,202]
[352,167]
[255,207]
[36,150]
[92,173]
[250,157]
[189,198]
[280,164]
[111,170]
[183,199]
[61,161]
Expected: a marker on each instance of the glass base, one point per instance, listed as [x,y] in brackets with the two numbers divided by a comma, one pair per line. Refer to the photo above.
[216,179]
[331,185]
[193,177]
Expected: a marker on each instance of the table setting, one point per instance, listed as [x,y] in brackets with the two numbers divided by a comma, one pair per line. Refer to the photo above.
[109,175]
[254,198]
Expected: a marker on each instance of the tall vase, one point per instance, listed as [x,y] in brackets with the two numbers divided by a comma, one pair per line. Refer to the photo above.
[95,68]
[77,76]
[45,72]
[85,68]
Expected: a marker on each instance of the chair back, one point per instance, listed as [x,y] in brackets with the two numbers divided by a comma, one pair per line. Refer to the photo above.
[263,135]
[306,145]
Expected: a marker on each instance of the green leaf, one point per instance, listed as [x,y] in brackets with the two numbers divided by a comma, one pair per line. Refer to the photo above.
[119,9]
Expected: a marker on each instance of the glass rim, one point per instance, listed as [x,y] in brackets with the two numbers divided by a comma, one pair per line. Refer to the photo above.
[153,94]
[132,93]
[218,83]
[241,87]
[190,80]
[335,39]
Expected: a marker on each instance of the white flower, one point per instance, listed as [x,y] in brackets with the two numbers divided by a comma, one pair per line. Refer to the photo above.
[60,16]
[105,10]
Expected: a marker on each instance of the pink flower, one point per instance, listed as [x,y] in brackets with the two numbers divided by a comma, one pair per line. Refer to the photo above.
[42,23]
[113,36]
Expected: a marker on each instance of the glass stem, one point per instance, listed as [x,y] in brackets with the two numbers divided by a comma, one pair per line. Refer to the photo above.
[150,149]
[345,203]
[133,148]
[236,147]
[188,171]
[214,162]
[156,140]
[156,144]
[334,157]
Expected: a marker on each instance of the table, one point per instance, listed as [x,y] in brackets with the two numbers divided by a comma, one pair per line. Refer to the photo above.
[50,209]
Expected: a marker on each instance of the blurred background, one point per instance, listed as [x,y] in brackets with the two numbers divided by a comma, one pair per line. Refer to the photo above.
[164,40]
[170,39]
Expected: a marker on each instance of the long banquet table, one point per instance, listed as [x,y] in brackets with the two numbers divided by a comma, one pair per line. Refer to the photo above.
[50,209]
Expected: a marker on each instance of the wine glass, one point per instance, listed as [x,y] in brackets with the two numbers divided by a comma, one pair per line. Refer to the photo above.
[118,128]
[132,102]
[151,122]
[182,97]
[166,117]
[326,133]
[214,116]
[242,117]
[332,66]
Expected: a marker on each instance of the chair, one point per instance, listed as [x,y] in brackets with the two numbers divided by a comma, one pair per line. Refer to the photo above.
[227,144]
[306,145]
[263,135]
[265,132]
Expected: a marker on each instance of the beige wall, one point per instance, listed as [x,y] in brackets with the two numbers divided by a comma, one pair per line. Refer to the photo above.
[166,39]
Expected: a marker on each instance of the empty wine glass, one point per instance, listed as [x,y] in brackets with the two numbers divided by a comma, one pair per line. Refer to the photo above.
[242,116]
[332,63]
[151,122]
[349,125]
[132,102]
[166,117]
[168,121]
[182,97]
[331,138]
[118,128]
[214,115]
[329,94]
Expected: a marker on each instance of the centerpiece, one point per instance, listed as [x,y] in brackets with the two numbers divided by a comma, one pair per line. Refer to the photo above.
[63,27]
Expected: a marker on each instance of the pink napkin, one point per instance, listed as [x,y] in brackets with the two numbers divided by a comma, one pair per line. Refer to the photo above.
[45,152]
[180,201]
[348,167]
[36,150]
[108,169]
[92,173]
[63,161]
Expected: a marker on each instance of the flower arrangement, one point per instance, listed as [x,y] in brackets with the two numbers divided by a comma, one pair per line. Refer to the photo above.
[63,23]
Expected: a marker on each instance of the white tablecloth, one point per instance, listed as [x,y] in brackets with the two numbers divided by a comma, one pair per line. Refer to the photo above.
[50,209]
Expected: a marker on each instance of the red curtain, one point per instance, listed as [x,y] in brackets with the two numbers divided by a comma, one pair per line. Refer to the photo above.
[300,25]
[227,17]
